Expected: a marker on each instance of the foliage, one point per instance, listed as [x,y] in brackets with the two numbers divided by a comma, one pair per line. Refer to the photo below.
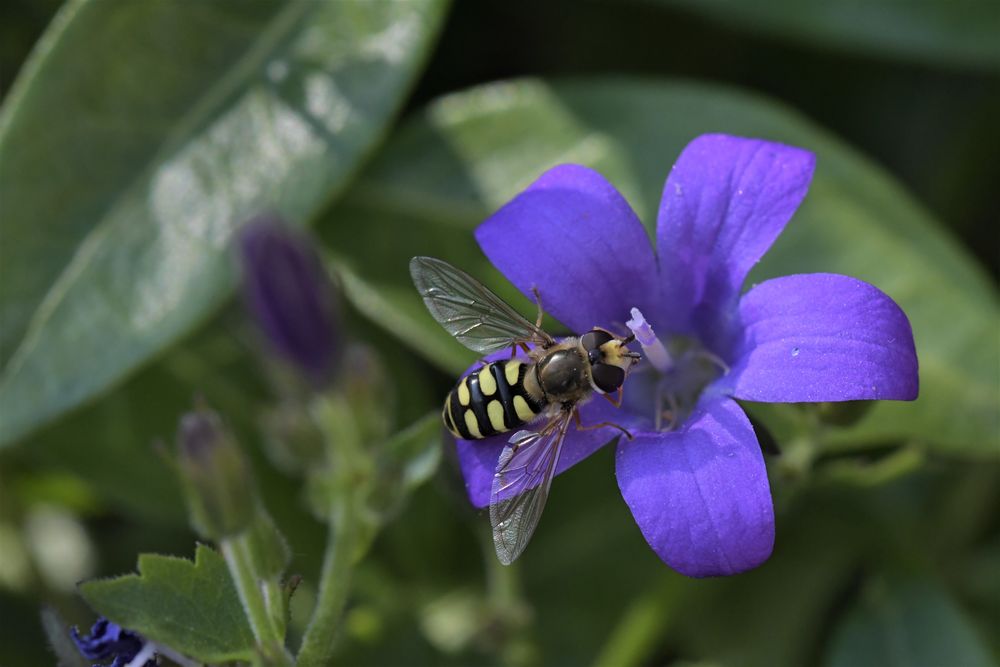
[190,606]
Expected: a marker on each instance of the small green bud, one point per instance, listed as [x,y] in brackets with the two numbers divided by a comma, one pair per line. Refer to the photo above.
[292,441]
[216,478]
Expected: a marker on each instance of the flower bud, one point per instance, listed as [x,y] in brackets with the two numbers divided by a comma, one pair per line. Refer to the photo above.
[290,295]
[216,478]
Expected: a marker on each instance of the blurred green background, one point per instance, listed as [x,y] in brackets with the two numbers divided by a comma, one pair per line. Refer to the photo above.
[138,134]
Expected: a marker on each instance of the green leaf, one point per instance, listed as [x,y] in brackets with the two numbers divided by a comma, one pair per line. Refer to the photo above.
[135,141]
[469,153]
[415,452]
[267,547]
[856,472]
[951,32]
[191,607]
[407,460]
[393,306]
[907,622]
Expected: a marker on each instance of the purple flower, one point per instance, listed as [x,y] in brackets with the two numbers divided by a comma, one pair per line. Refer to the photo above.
[694,476]
[290,295]
[110,640]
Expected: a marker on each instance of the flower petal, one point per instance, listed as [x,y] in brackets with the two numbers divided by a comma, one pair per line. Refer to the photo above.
[478,458]
[106,640]
[700,495]
[725,202]
[574,237]
[823,337]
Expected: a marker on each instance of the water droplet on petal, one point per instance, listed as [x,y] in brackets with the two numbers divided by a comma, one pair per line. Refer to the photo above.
[678,190]
[795,351]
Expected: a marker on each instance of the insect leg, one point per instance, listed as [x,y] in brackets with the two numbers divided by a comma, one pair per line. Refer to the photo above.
[672,413]
[519,344]
[538,302]
[581,427]
[617,402]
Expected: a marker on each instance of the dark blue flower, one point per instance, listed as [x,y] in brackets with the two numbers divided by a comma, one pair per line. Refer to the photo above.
[110,640]
[290,295]
[693,476]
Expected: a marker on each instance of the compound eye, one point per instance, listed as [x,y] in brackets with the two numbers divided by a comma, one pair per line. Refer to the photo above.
[594,356]
[608,377]
[594,339]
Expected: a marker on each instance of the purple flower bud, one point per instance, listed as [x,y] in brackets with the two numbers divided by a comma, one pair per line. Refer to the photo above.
[109,640]
[216,479]
[290,295]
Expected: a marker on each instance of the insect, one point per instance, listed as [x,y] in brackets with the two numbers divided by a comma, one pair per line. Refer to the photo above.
[507,394]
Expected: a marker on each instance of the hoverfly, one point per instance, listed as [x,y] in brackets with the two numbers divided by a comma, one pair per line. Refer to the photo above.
[503,395]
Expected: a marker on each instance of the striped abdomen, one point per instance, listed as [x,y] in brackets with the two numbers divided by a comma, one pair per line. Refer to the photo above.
[490,400]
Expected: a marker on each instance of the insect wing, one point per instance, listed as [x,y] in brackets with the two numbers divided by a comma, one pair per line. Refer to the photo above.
[521,485]
[468,310]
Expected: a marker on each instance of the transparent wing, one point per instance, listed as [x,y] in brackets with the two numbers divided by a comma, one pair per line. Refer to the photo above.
[521,485]
[470,312]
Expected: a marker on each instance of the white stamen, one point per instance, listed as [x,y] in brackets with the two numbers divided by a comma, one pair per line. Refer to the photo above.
[653,349]
[181,660]
[147,652]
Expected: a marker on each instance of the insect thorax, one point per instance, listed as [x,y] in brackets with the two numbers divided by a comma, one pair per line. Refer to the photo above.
[495,398]
[563,374]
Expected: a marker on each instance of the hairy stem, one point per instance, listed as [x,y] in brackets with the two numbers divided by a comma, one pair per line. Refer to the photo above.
[335,582]
[350,468]
[249,587]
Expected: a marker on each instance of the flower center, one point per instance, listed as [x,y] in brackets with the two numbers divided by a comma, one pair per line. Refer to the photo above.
[679,368]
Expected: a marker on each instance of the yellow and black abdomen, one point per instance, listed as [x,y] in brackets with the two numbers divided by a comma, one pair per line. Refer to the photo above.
[490,400]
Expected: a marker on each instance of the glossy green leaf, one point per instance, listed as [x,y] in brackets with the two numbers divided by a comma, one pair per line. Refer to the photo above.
[951,32]
[118,433]
[191,607]
[139,135]
[470,152]
[911,623]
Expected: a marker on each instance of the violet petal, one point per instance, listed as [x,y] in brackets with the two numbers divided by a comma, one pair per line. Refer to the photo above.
[700,495]
[725,202]
[106,640]
[822,337]
[575,237]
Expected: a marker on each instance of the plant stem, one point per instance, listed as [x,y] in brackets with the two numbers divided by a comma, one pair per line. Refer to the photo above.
[335,582]
[248,585]
[509,611]
[635,637]
[350,470]
[274,599]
